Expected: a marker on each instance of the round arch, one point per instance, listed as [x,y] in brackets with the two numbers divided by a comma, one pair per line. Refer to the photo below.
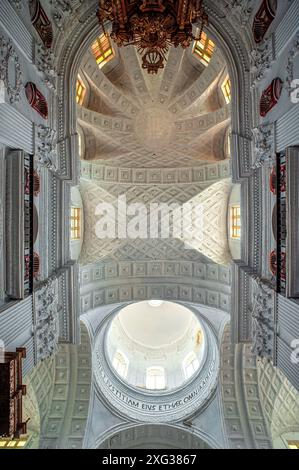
[154,436]
[70,54]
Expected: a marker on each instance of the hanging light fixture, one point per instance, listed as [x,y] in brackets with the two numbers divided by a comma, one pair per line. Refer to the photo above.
[153,26]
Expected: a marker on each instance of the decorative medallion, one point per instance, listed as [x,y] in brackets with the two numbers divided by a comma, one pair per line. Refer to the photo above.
[270,96]
[36,100]
[41,23]
[263,19]
[10,69]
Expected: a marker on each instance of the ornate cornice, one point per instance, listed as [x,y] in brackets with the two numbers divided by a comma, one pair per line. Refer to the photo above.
[263,319]
[45,147]
[206,174]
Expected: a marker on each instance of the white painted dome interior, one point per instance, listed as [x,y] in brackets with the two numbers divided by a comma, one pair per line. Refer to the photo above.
[155,345]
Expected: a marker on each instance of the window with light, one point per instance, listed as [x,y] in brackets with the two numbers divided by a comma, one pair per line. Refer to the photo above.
[155,378]
[102,50]
[75,223]
[203,49]
[236,222]
[80,90]
[121,364]
[226,90]
[293,445]
[12,443]
[190,365]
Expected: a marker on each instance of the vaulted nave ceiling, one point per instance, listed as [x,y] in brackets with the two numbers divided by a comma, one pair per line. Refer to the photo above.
[155,139]
[175,118]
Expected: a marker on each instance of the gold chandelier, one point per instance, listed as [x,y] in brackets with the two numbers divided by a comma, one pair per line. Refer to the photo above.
[153,26]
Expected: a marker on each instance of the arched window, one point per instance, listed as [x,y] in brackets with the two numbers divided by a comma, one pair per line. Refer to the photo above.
[80,90]
[155,378]
[235,215]
[287,440]
[121,364]
[75,223]
[102,50]
[204,49]
[293,445]
[226,89]
[190,365]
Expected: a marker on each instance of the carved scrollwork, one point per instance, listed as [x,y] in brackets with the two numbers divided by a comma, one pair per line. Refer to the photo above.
[291,87]
[44,61]
[261,59]
[45,152]
[263,319]
[10,69]
[46,328]
[240,9]
[263,145]
[63,9]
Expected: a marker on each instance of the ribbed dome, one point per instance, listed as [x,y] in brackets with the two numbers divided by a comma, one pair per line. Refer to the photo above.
[162,337]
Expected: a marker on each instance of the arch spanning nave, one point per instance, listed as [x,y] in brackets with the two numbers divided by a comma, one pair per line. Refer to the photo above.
[188,340]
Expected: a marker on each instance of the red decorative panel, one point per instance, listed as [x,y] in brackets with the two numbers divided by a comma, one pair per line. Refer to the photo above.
[36,100]
[273,262]
[27,182]
[36,264]
[41,23]
[283,267]
[36,184]
[27,267]
[270,97]
[273,181]
[283,178]
[263,19]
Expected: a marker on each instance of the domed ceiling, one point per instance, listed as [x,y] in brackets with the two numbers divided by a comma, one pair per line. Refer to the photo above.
[155,326]
[164,336]
[155,139]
